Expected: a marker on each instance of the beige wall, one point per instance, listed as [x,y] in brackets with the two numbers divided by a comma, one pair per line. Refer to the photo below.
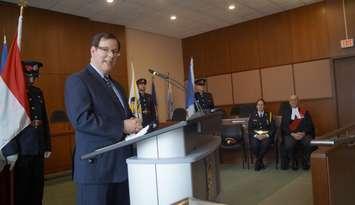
[164,54]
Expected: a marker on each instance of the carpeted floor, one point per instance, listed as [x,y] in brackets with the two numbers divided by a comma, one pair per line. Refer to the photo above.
[266,187]
[239,186]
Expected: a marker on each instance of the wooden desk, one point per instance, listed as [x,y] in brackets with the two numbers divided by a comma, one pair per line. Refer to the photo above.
[62,148]
[333,175]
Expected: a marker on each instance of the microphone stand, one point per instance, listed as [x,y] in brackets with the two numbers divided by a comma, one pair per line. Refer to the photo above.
[174,82]
[167,78]
[180,86]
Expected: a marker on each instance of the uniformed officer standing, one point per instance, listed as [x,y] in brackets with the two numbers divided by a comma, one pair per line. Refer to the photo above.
[26,152]
[149,114]
[204,100]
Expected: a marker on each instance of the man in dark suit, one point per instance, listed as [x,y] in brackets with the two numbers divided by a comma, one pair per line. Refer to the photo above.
[298,129]
[204,100]
[26,152]
[100,115]
[149,113]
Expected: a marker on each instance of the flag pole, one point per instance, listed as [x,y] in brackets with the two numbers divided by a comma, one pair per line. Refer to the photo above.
[22,4]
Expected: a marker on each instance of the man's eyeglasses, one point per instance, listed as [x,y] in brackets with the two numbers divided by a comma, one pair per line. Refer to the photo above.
[114,52]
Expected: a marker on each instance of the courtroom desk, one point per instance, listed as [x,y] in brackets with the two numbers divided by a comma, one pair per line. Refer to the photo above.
[62,139]
[333,175]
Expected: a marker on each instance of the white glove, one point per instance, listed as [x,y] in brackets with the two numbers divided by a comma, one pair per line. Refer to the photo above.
[47,154]
[11,160]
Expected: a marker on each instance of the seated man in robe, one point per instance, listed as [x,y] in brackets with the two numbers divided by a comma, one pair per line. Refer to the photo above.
[298,129]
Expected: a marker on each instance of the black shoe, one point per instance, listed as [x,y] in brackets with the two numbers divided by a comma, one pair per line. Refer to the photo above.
[294,165]
[284,164]
[305,165]
[257,165]
[262,165]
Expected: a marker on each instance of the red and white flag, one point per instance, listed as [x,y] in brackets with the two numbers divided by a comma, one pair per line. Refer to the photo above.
[14,108]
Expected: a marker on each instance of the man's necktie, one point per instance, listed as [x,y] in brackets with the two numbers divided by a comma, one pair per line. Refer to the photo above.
[110,85]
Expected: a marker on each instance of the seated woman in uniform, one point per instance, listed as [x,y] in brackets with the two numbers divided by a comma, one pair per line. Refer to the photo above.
[261,129]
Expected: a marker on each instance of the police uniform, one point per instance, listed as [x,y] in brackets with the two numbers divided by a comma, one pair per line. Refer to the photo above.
[204,100]
[147,105]
[30,145]
[260,122]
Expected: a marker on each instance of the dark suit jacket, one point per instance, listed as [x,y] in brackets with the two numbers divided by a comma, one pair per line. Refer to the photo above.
[97,117]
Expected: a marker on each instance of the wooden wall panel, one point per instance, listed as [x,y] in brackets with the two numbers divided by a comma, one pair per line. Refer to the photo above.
[246,86]
[336,27]
[313,79]
[277,83]
[52,86]
[195,48]
[218,83]
[323,112]
[243,45]
[274,34]
[309,33]
[216,58]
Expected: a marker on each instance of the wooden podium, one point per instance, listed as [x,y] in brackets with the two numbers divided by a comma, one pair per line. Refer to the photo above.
[175,162]
[333,171]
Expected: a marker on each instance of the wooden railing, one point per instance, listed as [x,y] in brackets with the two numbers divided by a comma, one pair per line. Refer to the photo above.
[333,167]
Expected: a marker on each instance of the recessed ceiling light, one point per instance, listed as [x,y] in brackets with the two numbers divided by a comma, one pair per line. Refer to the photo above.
[109,1]
[173,17]
[231,7]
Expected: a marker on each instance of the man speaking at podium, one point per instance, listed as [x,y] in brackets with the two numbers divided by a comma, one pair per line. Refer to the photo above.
[98,110]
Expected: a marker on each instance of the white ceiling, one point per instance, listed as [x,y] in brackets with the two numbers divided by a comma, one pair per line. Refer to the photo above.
[193,16]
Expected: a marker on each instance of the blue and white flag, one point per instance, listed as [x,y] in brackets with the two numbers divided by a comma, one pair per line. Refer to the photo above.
[190,91]
[3,54]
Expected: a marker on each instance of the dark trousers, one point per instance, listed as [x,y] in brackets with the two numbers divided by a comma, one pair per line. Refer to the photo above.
[103,194]
[259,147]
[290,145]
[29,180]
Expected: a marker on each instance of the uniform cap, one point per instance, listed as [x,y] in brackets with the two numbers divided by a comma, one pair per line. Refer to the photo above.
[200,81]
[31,68]
[141,81]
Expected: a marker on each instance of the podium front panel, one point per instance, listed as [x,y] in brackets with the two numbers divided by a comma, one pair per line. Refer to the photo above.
[167,145]
[142,184]
[148,148]
[165,181]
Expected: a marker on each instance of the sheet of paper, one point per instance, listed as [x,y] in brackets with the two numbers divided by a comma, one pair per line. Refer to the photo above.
[138,134]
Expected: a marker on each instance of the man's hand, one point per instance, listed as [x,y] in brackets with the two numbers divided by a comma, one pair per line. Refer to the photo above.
[261,136]
[47,154]
[132,125]
[11,160]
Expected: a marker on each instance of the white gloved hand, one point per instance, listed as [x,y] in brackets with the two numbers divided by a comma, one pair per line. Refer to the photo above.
[47,154]
[11,160]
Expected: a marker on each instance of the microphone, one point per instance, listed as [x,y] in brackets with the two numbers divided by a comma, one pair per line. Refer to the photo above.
[158,74]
